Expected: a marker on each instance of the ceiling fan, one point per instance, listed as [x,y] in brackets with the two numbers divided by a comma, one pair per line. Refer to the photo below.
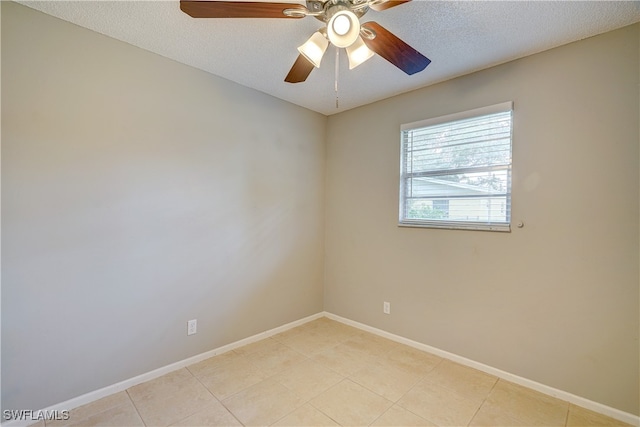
[342,29]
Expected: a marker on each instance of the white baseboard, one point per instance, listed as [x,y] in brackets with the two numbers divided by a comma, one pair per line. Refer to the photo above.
[123,385]
[148,376]
[550,391]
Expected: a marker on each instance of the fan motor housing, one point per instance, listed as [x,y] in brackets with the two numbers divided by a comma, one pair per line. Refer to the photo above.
[326,8]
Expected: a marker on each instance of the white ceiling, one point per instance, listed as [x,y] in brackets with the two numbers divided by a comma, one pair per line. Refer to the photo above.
[458,36]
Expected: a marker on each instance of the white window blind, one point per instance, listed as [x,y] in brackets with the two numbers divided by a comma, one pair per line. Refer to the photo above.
[456,170]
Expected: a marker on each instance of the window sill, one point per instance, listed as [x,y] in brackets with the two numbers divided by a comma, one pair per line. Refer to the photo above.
[474,226]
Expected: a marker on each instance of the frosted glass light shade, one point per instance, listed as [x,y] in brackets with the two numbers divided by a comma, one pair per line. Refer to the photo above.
[357,53]
[314,48]
[343,28]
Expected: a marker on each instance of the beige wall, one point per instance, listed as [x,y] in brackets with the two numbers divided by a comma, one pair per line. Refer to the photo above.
[139,193]
[555,301]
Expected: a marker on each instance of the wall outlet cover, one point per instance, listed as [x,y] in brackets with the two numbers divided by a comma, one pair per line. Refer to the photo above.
[192,326]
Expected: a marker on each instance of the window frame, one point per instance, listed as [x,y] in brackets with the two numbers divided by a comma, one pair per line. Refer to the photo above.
[457,225]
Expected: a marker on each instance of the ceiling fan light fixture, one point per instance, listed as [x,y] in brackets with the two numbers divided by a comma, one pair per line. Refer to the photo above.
[341,25]
[358,53]
[343,28]
[314,48]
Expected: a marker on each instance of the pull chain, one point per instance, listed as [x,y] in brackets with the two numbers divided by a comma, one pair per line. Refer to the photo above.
[337,67]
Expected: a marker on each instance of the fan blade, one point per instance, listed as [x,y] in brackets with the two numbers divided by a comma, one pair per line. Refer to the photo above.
[395,50]
[300,70]
[379,7]
[239,9]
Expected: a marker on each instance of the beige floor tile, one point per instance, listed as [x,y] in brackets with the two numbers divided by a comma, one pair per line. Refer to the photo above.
[343,360]
[208,365]
[232,377]
[159,387]
[254,347]
[124,415]
[365,343]
[527,406]
[263,404]
[439,405]
[467,382]
[579,417]
[85,411]
[350,404]
[283,336]
[165,409]
[400,417]
[311,342]
[214,414]
[414,360]
[490,416]
[275,359]
[317,323]
[308,379]
[337,330]
[324,332]
[386,378]
[306,416]
[335,327]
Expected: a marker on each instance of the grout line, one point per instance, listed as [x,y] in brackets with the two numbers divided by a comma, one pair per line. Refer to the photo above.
[135,407]
[320,410]
[380,416]
[484,401]
[168,397]
[212,395]
[420,381]
[324,413]
[228,410]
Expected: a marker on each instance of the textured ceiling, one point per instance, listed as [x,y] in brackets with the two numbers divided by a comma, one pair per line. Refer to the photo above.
[458,36]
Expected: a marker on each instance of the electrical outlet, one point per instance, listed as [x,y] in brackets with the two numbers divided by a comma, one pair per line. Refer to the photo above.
[192,326]
[386,307]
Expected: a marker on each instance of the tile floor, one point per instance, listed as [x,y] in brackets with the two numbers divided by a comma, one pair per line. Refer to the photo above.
[325,373]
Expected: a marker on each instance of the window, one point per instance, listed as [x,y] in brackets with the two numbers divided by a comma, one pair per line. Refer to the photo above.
[456,170]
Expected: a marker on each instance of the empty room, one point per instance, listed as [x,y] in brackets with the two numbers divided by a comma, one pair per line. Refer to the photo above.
[320,213]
